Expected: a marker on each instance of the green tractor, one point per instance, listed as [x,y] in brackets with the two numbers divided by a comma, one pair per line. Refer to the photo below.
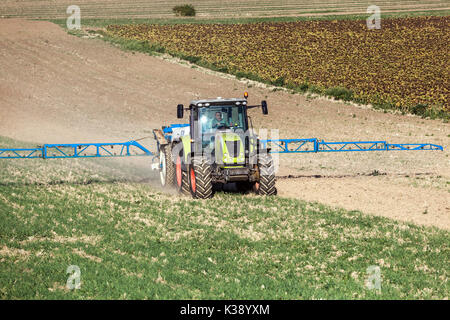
[217,147]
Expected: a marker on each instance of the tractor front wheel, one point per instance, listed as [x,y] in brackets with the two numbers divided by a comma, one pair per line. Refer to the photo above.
[167,168]
[200,178]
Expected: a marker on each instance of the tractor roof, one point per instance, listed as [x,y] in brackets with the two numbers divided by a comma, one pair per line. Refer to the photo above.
[217,101]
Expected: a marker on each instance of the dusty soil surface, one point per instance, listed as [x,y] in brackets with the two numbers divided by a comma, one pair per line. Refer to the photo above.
[58,88]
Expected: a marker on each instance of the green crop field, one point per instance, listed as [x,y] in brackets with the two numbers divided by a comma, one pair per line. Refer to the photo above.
[131,241]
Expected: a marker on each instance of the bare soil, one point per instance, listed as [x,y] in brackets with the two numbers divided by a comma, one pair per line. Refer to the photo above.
[58,88]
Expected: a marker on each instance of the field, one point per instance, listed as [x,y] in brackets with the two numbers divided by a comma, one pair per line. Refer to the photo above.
[127,9]
[336,214]
[403,65]
[133,242]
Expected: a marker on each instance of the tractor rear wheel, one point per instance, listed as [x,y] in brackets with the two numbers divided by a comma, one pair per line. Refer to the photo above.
[266,184]
[181,178]
[167,168]
[200,178]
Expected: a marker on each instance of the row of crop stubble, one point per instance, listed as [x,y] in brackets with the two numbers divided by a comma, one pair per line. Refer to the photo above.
[402,65]
[51,9]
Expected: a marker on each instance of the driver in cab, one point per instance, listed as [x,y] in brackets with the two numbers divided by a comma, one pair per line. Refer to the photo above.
[218,121]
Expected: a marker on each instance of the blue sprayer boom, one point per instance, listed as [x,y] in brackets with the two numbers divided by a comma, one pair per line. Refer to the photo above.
[218,146]
[77,150]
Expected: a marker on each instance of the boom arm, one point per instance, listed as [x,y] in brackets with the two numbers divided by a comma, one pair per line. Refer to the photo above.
[78,150]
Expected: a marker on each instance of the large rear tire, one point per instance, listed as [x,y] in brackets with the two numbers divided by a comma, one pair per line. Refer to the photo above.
[200,178]
[266,184]
[167,167]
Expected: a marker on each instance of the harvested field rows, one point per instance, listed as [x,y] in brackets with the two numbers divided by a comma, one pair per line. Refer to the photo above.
[206,8]
[403,65]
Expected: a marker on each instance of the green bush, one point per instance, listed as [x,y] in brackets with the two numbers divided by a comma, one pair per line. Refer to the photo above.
[339,93]
[419,109]
[186,10]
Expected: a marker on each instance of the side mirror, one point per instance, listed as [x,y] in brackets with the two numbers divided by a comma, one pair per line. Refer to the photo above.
[264,107]
[180,111]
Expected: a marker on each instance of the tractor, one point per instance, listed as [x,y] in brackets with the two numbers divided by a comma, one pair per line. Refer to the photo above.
[217,147]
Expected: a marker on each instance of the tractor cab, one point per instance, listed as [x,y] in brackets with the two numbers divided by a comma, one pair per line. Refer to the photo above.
[212,119]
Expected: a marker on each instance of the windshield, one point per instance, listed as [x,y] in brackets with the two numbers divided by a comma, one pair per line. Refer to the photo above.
[222,117]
